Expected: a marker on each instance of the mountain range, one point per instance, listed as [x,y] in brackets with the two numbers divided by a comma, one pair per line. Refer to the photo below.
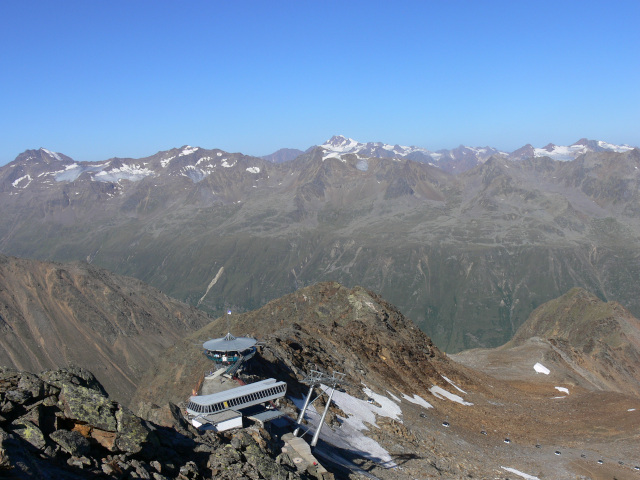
[467,256]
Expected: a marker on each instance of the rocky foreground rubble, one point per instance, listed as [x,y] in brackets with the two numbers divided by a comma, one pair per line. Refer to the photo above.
[62,425]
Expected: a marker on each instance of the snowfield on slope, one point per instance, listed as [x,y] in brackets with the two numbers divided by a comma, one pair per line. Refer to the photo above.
[453,384]
[359,413]
[188,150]
[417,400]
[16,183]
[51,154]
[441,393]
[133,173]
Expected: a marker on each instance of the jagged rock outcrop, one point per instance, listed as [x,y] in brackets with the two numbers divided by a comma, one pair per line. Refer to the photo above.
[60,425]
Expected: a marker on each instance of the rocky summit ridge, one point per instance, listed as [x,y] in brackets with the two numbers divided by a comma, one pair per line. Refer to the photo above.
[326,326]
[590,343]
[599,340]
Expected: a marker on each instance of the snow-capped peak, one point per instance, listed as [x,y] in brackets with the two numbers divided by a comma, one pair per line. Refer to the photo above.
[570,152]
[463,157]
[188,150]
[51,154]
[614,148]
[339,145]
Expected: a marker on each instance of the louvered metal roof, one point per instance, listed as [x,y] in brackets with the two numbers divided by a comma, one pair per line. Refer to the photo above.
[227,395]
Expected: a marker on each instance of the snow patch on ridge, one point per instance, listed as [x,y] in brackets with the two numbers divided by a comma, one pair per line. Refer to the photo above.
[518,472]
[199,171]
[559,152]
[132,173]
[361,411]
[539,368]
[563,389]
[73,171]
[441,393]
[614,148]
[226,164]
[253,169]
[336,155]
[453,384]
[16,183]
[166,161]
[417,400]
[188,150]
[51,154]
[69,174]
[193,173]
[396,399]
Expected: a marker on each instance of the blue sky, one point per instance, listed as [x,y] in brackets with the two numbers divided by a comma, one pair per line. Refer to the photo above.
[97,79]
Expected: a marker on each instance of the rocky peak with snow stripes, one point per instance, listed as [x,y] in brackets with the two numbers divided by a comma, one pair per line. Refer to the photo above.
[47,167]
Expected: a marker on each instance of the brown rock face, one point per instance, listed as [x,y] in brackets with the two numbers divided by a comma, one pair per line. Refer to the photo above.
[55,315]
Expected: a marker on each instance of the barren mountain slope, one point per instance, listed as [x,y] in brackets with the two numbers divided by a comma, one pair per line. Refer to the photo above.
[591,343]
[54,315]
